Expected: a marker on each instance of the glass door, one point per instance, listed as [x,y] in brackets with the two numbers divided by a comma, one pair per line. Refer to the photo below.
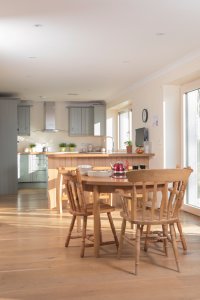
[192,149]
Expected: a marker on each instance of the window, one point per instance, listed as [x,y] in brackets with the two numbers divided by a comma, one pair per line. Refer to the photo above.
[124,128]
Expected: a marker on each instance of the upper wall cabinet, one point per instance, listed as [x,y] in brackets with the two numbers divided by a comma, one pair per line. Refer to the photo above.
[23,119]
[99,120]
[81,121]
[87,120]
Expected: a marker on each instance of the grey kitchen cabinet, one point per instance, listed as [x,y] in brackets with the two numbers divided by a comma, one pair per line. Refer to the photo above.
[99,120]
[24,174]
[81,120]
[32,168]
[75,121]
[39,168]
[23,119]
[87,121]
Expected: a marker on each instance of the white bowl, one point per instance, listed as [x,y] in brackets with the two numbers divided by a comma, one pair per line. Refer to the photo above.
[84,169]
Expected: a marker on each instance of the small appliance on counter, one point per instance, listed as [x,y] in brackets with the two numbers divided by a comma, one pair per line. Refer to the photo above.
[118,170]
[90,148]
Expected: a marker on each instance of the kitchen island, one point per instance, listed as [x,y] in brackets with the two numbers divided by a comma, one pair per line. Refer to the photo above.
[97,160]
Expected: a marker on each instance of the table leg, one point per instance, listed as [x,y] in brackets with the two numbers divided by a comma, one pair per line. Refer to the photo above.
[96,220]
[59,184]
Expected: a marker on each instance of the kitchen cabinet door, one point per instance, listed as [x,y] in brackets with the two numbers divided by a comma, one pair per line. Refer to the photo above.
[99,120]
[75,121]
[24,168]
[81,121]
[39,168]
[23,119]
[87,120]
[32,168]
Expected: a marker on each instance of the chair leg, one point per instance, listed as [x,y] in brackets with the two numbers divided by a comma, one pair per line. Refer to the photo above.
[142,229]
[113,229]
[146,238]
[137,248]
[83,235]
[165,240]
[100,232]
[174,245]
[182,238]
[70,231]
[78,224]
[121,239]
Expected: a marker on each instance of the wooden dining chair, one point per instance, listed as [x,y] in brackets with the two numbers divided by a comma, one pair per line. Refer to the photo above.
[79,206]
[168,187]
[180,230]
[179,235]
[61,195]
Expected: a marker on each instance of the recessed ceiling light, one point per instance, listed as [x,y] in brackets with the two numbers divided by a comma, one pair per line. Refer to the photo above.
[32,57]
[42,97]
[38,25]
[160,33]
[125,61]
[72,94]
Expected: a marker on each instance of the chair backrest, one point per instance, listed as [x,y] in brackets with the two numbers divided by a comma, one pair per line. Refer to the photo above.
[162,195]
[75,194]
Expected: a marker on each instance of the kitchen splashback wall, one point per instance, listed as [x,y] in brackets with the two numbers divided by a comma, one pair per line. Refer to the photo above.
[52,139]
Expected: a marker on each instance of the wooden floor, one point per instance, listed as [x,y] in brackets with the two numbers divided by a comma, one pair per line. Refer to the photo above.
[34,264]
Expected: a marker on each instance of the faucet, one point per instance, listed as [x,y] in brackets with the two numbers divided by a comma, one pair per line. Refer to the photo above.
[112,139]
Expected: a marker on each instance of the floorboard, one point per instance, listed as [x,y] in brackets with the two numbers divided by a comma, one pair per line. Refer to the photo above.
[34,264]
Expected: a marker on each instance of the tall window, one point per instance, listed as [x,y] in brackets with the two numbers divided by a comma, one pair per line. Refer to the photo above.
[124,128]
[192,145]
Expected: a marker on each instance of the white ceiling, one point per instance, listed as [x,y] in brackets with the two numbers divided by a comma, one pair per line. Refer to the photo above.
[65,50]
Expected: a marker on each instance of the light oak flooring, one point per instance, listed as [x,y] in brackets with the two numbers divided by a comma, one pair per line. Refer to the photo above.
[34,264]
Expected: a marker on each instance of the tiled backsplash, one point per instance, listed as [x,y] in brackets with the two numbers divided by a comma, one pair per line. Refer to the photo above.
[52,141]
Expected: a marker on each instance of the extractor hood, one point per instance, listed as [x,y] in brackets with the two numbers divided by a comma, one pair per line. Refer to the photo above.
[49,117]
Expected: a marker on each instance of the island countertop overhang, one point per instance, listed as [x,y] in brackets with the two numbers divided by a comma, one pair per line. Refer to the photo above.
[98,155]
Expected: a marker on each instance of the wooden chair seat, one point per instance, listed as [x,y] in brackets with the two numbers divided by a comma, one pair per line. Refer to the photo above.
[88,209]
[148,218]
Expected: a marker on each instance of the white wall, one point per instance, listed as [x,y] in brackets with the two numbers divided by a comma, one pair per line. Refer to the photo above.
[159,90]
[172,126]
[52,140]
[150,97]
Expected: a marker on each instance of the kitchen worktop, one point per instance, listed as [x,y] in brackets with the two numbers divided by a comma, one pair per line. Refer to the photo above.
[88,154]
[96,154]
